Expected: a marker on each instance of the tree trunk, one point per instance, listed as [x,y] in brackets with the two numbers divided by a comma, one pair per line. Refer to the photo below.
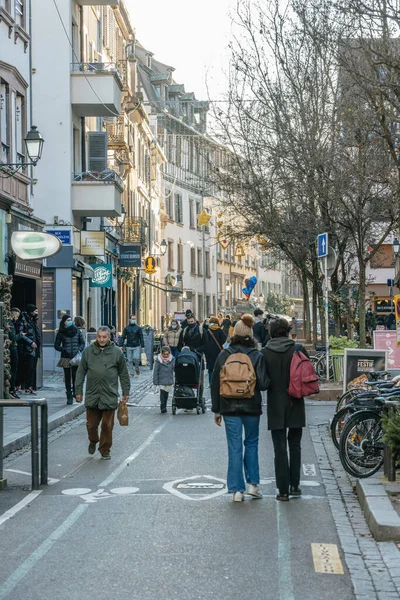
[306,309]
[361,300]
[314,314]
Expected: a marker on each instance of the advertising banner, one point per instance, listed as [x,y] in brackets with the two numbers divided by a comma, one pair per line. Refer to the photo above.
[386,340]
[397,313]
[359,361]
[130,256]
[102,276]
[93,243]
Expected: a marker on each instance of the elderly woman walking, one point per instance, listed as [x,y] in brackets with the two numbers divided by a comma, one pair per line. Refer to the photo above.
[286,415]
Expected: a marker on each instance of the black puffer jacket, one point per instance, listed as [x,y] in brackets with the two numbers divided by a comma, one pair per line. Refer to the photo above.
[240,406]
[69,341]
[133,335]
[30,327]
[212,347]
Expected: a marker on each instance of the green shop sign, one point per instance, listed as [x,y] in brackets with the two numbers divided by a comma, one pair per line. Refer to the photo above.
[102,276]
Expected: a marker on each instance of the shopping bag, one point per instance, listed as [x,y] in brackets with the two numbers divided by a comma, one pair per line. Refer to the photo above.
[143,359]
[122,414]
[75,360]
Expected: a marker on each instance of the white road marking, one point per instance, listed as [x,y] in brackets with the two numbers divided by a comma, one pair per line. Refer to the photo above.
[169,487]
[133,456]
[284,554]
[8,586]
[100,494]
[15,509]
[309,470]
[50,480]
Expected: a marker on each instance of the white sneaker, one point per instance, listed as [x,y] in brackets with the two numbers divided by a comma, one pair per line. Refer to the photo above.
[254,490]
[238,496]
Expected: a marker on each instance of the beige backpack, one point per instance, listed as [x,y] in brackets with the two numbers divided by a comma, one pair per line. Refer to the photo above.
[237,378]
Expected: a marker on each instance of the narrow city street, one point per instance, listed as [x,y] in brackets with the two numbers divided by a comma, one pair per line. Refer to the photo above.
[155,521]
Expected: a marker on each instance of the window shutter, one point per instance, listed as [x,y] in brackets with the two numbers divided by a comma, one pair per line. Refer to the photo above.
[97,150]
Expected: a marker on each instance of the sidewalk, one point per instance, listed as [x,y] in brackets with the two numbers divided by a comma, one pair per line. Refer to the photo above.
[17,431]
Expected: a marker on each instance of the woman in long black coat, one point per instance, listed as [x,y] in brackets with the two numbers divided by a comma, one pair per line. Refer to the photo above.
[69,341]
[214,339]
[286,415]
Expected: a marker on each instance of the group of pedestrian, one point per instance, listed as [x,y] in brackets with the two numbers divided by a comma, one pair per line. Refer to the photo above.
[266,369]
[25,343]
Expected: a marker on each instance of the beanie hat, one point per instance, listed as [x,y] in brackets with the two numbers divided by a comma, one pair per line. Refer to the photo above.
[214,320]
[244,327]
[30,308]
[188,312]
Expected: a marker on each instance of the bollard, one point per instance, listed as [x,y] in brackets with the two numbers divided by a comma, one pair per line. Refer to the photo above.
[44,444]
[35,446]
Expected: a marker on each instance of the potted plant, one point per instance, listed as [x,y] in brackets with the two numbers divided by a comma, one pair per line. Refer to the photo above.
[337,346]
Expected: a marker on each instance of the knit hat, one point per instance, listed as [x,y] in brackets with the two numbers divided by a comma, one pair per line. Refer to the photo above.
[214,320]
[30,308]
[244,327]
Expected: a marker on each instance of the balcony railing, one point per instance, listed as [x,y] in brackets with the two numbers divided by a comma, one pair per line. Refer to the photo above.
[97,67]
[134,231]
[106,176]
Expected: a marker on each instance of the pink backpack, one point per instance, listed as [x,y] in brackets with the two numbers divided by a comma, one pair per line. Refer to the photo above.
[303,378]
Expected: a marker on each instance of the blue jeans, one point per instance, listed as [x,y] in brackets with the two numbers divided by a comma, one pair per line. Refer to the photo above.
[236,460]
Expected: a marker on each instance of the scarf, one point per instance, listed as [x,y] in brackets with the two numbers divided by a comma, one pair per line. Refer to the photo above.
[165,361]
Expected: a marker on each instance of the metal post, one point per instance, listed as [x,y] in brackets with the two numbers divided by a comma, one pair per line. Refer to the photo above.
[44,447]
[35,446]
[327,317]
[389,469]
[3,482]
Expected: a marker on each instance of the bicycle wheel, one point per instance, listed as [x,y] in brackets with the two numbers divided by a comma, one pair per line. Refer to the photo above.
[348,397]
[320,369]
[360,446]
[338,423]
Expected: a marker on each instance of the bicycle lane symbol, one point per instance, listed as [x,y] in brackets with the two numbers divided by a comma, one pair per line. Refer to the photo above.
[90,497]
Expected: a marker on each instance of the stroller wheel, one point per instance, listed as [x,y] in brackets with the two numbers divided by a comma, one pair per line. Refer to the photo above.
[198,409]
[203,409]
[173,410]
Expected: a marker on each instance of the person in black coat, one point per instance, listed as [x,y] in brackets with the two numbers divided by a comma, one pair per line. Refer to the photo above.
[241,413]
[28,348]
[286,415]
[69,341]
[214,339]
[226,324]
[259,330]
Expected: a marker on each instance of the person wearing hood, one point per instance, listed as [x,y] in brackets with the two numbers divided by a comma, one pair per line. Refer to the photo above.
[28,348]
[171,337]
[103,364]
[184,323]
[69,341]
[286,415]
[214,339]
[241,413]
[163,375]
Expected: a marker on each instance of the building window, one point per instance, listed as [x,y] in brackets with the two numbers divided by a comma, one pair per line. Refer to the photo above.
[227,290]
[180,258]
[219,287]
[208,273]
[5,121]
[178,151]
[19,127]
[20,13]
[191,212]
[169,204]
[199,262]
[198,212]
[171,266]
[178,208]
[208,306]
[200,314]
[193,261]
[214,300]
[5,4]
[219,252]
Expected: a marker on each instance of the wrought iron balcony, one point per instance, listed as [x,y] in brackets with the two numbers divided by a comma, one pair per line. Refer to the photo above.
[134,231]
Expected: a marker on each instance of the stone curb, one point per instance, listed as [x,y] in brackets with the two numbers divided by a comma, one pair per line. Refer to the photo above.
[23,437]
[329,394]
[382,519]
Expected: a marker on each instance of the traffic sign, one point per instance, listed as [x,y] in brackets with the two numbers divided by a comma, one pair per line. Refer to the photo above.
[322,245]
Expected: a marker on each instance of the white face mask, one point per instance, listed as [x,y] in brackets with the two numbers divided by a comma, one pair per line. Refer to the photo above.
[133,321]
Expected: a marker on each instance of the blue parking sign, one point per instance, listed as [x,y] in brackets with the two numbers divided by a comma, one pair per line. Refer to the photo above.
[322,245]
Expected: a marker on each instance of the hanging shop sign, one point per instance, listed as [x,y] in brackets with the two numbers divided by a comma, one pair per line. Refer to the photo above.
[102,276]
[33,270]
[93,243]
[34,245]
[130,256]
[150,265]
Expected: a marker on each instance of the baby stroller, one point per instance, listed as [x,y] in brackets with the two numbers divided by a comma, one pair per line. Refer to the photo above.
[187,389]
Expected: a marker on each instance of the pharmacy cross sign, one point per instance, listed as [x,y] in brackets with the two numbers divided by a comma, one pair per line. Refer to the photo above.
[322,245]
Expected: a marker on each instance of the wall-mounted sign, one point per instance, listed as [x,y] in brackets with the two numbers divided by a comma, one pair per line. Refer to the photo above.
[33,270]
[64,235]
[93,243]
[34,245]
[386,340]
[150,265]
[130,256]
[102,276]
[48,303]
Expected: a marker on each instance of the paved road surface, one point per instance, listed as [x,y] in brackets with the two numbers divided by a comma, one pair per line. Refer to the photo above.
[155,523]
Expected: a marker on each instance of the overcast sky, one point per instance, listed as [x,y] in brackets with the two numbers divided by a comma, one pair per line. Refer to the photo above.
[190,36]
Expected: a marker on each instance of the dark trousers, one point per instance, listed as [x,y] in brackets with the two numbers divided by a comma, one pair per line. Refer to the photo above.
[14,367]
[93,418]
[69,377]
[287,468]
[163,399]
[26,371]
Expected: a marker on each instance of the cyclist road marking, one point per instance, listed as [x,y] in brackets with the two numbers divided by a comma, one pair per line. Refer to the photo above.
[13,511]
[309,470]
[326,559]
[284,554]
[28,564]
[133,456]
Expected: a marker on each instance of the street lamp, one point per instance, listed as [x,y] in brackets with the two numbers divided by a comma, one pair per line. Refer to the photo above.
[163,247]
[228,286]
[396,247]
[34,148]
[121,218]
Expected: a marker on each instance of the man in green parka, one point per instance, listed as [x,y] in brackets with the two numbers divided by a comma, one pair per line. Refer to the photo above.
[103,364]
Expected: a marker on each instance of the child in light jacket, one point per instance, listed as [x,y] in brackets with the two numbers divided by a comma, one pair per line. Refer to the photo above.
[163,375]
